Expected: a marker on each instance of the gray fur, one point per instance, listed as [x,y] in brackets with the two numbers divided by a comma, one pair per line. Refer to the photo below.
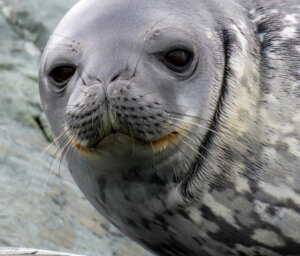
[226,178]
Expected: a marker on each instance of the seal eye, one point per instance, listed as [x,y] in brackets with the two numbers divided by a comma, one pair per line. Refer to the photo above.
[178,60]
[62,74]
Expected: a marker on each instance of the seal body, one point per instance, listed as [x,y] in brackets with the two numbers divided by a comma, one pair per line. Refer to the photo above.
[180,121]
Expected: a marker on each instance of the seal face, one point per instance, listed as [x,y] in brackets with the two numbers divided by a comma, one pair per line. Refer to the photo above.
[180,122]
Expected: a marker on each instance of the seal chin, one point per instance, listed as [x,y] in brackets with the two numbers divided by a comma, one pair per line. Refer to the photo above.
[118,137]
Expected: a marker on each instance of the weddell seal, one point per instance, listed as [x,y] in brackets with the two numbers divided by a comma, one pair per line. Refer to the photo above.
[180,120]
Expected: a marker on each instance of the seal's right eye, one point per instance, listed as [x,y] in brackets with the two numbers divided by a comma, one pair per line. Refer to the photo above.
[61,75]
[178,58]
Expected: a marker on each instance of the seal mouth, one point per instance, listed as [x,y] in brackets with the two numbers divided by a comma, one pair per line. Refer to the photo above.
[157,145]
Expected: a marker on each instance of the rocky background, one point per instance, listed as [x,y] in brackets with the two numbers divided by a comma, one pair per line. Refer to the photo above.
[40,206]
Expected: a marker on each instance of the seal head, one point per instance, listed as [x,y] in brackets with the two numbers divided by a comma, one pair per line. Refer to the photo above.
[164,112]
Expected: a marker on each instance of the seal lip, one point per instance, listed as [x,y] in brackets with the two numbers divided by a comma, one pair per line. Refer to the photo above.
[157,146]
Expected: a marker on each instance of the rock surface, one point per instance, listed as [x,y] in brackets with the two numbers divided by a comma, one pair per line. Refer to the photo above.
[56,216]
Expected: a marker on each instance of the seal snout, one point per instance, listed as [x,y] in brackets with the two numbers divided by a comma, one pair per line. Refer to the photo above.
[123,112]
[86,123]
[132,114]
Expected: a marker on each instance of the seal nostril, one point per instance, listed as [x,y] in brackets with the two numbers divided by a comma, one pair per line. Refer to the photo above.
[114,78]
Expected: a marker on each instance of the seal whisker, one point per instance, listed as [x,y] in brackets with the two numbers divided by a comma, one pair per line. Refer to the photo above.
[196,117]
[178,148]
[175,172]
[59,44]
[144,41]
[63,36]
[47,149]
[85,92]
[190,139]
[192,123]
[177,113]
[54,157]
[181,140]
[53,143]
[65,152]
[46,183]
[194,150]
[132,139]
[190,132]
[86,104]
[153,152]
[62,152]
[84,83]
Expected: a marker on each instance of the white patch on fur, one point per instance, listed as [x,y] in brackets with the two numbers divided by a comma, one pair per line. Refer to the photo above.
[270,154]
[284,128]
[267,237]
[241,184]
[196,216]
[289,32]
[210,227]
[271,98]
[289,224]
[294,147]
[219,209]
[287,220]
[291,18]
[296,118]
[280,192]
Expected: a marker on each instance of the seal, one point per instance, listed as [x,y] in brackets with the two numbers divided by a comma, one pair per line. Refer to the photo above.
[180,120]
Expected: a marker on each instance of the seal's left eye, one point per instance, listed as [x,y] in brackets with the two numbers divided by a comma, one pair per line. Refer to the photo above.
[178,58]
[62,74]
